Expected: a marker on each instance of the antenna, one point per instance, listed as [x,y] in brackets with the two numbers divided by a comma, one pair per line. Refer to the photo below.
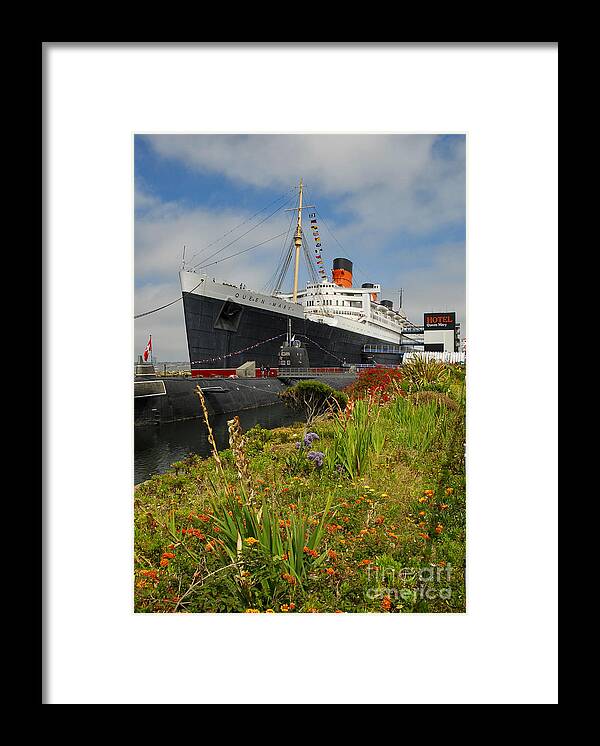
[183,259]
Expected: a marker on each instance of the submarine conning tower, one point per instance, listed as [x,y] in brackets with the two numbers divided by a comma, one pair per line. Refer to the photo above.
[342,272]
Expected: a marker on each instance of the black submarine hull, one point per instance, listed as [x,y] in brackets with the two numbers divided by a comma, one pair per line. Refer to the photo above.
[164,399]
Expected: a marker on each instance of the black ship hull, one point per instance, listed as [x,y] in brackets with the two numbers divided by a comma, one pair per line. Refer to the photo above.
[222,334]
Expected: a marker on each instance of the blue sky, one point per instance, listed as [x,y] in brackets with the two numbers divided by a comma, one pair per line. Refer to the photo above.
[395,203]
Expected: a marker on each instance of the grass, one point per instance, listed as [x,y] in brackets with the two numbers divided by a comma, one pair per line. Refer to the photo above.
[375,523]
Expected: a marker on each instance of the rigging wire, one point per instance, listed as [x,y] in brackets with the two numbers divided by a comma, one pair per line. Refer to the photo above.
[335,238]
[210,256]
[225,258]
[273,284]
[284,269]
[309,263]
[176,300]
[247,220]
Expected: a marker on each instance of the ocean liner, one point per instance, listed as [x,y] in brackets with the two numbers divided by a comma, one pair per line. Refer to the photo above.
[338,324]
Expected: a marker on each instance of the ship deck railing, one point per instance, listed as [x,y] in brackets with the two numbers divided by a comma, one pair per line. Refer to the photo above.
[284,372]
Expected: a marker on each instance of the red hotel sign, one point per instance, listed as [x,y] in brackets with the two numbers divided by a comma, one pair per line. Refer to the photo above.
[446,320]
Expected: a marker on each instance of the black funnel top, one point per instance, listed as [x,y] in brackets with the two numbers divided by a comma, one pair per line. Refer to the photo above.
[341,263]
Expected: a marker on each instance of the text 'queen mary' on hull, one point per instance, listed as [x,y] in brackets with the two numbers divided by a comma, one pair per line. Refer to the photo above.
[338,324]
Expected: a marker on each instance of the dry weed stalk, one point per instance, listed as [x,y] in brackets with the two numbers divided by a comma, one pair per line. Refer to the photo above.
[211,437]
[237,445]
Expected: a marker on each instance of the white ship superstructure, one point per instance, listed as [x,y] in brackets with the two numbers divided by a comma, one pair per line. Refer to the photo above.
[351,308]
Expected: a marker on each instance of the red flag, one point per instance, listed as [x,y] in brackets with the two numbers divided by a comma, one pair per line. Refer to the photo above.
[148,350]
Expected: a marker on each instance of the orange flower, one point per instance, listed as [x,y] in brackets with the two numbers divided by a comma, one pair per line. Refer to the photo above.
[379,520]
[443,506]
[289,578]
[292,606]
[386,604]
[168,555]
[439,528]
[164,562]
[330,571]
[150,574]
[421,512]
[332,555]
[422,524]
[204,518]
[310,552]
[364,562]
[424,536]
[251,540]
[293,506]
[209,546]
[449,490]
[429,493]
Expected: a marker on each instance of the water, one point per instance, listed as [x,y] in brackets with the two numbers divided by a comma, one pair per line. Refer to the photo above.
[158,446]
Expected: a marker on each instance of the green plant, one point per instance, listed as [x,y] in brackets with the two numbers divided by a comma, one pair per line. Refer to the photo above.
[358,436]
[422,373]
[420,426]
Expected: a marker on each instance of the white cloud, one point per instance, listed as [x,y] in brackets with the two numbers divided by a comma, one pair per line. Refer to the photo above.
[385,183]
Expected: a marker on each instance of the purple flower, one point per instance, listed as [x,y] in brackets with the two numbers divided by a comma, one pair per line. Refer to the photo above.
[309,438]
[316,457]
[298,445]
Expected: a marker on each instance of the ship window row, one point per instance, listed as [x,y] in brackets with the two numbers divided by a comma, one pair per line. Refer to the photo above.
[381,348]
[351,303]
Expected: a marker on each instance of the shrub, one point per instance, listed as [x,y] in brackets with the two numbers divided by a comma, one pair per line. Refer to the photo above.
[372,381]
[426,374]
[427,396]
[312,399]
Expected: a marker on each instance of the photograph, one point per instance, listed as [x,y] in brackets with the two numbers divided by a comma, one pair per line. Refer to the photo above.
[299,373]
[292,450]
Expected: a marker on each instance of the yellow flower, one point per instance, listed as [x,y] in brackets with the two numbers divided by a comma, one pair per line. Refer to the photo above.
[251,540]
[269,611]
[252,611]
[449,490]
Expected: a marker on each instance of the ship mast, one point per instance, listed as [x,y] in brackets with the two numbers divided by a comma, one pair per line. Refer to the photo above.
[298,244]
